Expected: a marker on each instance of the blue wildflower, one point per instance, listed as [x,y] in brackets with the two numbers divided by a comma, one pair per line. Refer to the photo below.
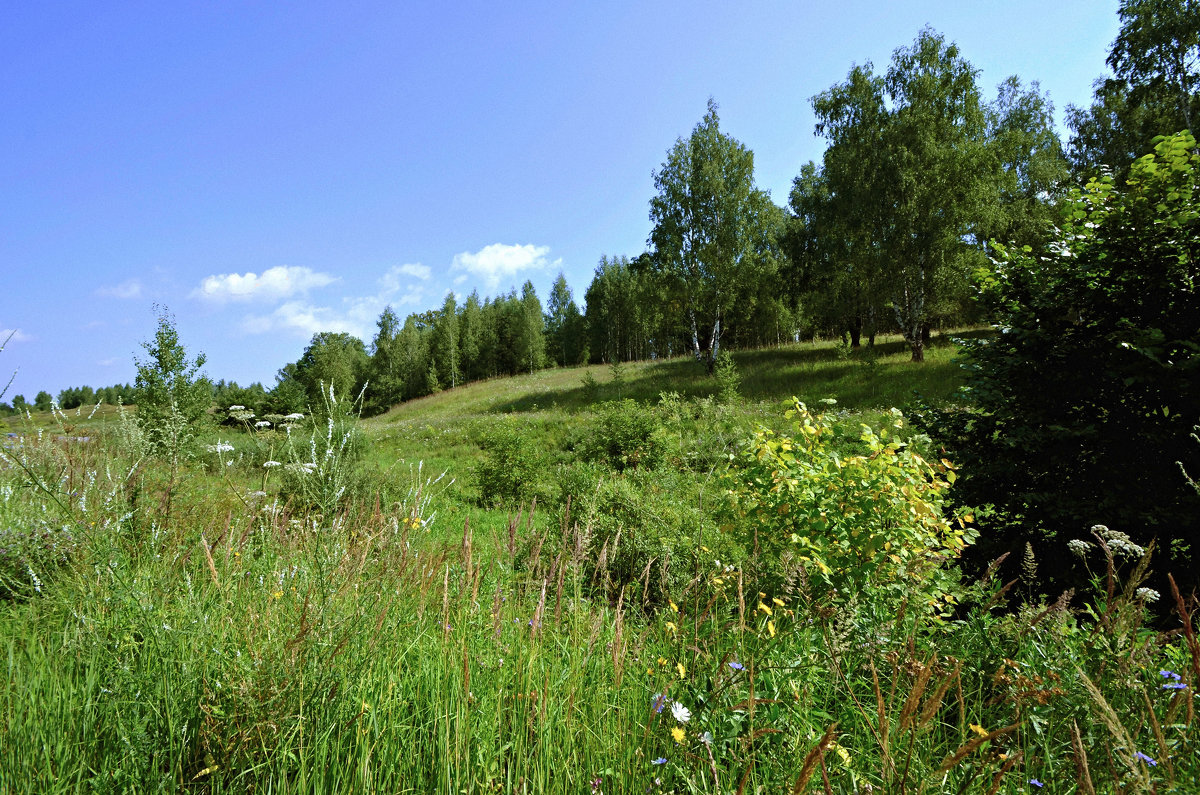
[1036,783]
[1174,686]
[737,666]
[1144,758]
[662,760]
[660,701]
[1169,675]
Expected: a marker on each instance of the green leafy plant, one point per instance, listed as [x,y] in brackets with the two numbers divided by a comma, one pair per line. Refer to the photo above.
[856,514]
[626,435]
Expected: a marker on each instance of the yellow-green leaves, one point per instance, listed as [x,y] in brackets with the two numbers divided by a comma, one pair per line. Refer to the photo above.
[857,512]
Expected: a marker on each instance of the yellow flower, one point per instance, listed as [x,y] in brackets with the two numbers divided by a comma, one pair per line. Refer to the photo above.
[982,732]
[678,734]
[765,609]
[674,606]
[682,671]
[771,628]
[662,660]
[671,627]
[777,601]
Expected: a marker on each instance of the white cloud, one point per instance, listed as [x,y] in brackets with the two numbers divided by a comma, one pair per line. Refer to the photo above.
[131,288]
[413,269]
[273,285]
[13,335]
[500,261]
[356,315]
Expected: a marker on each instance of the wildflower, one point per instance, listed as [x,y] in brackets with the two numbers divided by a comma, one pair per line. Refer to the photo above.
[982,732]
[671,627]
[1148,595]
[294,416]
[262,424]
[662,760]
[1036,783]
[1174,686]
[1169,675]
[771,628]
[737,666]
[1079,547]
[764,608]
[674,607]
[237,408]
[1144,758]
[660,701]
[706,738]
[269,464]
[678,734]
[680,712]
[682,671]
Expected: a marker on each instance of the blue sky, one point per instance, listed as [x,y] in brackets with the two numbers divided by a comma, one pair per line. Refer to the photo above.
[269,170]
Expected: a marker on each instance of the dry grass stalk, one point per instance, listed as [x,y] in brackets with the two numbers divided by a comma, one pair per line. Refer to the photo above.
[1159,739]
[1059,605]
[1189,632]
[1007,766]
[972,745]
[916,693]
[1109,718]
[1082,774]
[934,703]
[466,544]
[813,759]
[883,731]
[212,569]
[536,623]
[618,654]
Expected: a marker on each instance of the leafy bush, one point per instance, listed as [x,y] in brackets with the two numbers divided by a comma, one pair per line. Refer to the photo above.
[1082,405]
[857,516]
[625,436]
[511,467]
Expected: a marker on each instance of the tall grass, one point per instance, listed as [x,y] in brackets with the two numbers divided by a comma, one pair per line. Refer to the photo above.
[406,639]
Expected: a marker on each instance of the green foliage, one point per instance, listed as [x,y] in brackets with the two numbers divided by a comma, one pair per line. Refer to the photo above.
[172,395]
[511,469]
[728,378]
[625,435]
[332,360]
[1083,404]
[913,172]
[859,516]
[1155,88]
[714,230]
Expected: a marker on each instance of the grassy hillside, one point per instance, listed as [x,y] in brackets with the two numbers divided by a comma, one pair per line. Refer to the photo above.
[528,585]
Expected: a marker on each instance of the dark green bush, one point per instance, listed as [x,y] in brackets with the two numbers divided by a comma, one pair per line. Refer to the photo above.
[511,468]
[626,435]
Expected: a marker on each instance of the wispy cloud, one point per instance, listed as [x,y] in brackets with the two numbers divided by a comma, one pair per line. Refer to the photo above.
[500,261]
[131,288]
[274,284]
[13,335]
[356,315]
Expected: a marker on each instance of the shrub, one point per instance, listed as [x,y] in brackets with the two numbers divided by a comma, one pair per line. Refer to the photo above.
[625,436]
[1082,405]
[857,515]
[509,472]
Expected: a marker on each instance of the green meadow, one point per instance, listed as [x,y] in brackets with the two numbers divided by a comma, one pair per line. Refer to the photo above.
[584,580]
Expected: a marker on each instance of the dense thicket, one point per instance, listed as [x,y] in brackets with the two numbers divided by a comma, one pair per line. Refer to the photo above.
[1081,407]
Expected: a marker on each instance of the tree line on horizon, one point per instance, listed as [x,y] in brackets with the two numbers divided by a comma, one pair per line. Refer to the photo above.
[891,231]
